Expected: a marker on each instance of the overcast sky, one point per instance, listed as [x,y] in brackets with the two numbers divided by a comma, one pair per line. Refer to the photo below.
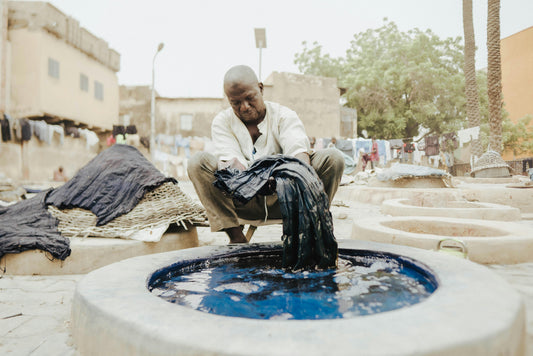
[204,38]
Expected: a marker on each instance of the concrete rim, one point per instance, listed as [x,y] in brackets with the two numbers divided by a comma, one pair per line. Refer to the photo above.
[471,210]
[473,312]
[514,245]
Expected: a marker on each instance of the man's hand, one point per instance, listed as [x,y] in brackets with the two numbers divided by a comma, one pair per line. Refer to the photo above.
[232,163]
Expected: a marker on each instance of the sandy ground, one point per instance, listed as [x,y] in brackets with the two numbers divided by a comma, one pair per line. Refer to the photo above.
[35,310]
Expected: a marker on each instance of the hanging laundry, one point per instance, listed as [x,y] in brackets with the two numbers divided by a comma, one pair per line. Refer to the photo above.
[432,145]
[56,129]
[467,135]
[40,130]
[25,129]
[131,129]
[6,129]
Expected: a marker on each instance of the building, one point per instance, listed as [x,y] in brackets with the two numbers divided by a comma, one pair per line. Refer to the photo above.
[315,99]
[187,117]
[517,76]
[58,70]
[60,77]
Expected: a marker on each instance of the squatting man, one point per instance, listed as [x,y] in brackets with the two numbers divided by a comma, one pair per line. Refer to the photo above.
[252,128]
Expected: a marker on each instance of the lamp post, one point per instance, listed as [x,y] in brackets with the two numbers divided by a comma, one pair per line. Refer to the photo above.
[260,42]
[152,107]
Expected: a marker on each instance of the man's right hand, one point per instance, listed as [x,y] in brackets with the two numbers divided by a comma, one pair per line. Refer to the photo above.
[232,163]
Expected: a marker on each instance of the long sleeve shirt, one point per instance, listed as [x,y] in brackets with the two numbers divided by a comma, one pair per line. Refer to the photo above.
[282,131]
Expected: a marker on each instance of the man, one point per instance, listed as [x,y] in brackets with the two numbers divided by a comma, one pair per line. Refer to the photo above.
[250,129]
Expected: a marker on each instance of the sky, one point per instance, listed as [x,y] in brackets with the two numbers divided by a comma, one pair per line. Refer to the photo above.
[204,38]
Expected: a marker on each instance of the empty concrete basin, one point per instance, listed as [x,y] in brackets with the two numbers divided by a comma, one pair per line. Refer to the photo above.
[453,209]
[489,242]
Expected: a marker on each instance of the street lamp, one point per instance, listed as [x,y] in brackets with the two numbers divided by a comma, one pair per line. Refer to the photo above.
[260,42]
[152,108]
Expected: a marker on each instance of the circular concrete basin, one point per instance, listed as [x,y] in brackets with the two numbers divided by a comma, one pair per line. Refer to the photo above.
[452,209]
[489,242]
[472,312]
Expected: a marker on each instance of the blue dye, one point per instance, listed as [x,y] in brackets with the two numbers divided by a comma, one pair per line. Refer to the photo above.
[255,286]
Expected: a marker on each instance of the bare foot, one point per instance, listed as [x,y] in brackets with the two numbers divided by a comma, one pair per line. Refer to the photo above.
[235,235]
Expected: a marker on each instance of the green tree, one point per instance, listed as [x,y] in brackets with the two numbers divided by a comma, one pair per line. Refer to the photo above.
[397,81]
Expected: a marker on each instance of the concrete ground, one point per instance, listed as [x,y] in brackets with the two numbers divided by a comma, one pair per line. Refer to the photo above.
[35,310]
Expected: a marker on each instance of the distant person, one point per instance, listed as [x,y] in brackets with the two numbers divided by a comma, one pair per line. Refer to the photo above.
[59,175]
[374,153]
[312,142]
[250,129]
[333,143]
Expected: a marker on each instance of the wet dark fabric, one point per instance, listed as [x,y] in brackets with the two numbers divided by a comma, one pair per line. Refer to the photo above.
[28,225]
[6,129]
[110,185]
[308,239]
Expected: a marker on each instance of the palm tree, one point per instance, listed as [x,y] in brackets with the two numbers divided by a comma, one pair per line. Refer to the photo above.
[494,75]
[471,92]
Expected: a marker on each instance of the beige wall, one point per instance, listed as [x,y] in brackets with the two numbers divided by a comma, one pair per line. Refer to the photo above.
[169,112]
[36,161]
[35,93]
[517,76]
[315,100]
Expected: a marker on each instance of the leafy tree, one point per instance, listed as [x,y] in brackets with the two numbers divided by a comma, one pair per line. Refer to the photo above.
[397,81]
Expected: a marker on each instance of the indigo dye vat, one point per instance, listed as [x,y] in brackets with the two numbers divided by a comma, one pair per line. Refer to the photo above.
[254,285]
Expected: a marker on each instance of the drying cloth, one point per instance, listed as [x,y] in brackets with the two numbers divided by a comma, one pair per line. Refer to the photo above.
[110,185]
[28,225]
[308,239]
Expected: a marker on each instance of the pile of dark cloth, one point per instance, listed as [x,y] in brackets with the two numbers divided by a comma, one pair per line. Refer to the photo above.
[308,239]
[110,185]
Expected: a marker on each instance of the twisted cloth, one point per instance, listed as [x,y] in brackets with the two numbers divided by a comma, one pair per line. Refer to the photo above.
[308,239]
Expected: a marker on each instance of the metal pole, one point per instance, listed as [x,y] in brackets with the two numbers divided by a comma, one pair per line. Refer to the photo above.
[260,53]
[152,107]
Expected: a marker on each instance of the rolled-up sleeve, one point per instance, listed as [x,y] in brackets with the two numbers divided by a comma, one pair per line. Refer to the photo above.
[226,144]
[292,136]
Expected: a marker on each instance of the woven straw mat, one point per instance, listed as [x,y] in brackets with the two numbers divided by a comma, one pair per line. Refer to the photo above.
[164,205]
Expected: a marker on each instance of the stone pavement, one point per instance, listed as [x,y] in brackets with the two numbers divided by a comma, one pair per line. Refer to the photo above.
[35,310]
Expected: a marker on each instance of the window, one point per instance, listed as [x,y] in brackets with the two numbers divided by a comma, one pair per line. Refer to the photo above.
[186,122]
[53,68]
[98,90]
[84,82]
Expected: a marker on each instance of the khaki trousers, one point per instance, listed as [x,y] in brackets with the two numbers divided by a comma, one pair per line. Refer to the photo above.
[223,213]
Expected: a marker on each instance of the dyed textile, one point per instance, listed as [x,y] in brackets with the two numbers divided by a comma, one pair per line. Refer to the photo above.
[308,239]
[28,225]
[110,185]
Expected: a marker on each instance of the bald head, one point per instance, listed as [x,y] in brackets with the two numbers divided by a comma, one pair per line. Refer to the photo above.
[245,94]
[240,74]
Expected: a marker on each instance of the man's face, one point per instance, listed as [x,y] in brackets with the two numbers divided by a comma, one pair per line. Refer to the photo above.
[246,100]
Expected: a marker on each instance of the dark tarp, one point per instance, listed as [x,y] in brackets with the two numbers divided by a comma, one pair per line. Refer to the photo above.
[27,225]
[110,185]
[308,238]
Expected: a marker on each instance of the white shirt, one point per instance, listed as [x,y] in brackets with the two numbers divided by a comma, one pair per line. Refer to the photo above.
[282,131]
